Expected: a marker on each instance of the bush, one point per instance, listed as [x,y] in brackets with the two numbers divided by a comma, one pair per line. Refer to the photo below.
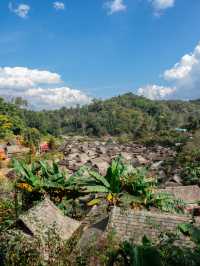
[17,248]
[165,253]
[164,138]
[191,174]
[167,203]
[7,213]
[32,137]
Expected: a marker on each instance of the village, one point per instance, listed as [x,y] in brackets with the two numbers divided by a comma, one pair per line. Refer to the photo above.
[102,217]
[99,133]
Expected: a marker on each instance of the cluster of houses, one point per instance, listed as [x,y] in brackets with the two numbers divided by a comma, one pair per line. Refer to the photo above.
[11,149]
[15,149]
[99,155]
[129,224]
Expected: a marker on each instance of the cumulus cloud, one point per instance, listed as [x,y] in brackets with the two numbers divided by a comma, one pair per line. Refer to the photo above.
[160,5]
[22,77]
[53,98]
[38,87]
[59,5]
[155,92]
[185,68]
[185,75]
[21,10]
[115,6]
[183,79]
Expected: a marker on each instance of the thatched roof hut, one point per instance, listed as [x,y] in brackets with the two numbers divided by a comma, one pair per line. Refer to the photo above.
[189,194]
[44,217]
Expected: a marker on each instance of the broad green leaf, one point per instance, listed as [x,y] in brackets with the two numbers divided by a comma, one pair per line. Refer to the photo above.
[94,202]
[100,178]
[95,189]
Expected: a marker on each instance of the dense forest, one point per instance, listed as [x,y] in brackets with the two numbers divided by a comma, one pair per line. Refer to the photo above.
[126,114]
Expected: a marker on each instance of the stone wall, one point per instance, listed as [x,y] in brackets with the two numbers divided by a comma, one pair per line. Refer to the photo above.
[134,225]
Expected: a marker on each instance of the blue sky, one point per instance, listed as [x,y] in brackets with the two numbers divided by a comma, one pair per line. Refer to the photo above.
[100,48]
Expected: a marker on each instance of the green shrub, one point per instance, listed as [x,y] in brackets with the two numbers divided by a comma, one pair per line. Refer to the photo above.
[7,213]
[16,248]
[167,203]
[191,174]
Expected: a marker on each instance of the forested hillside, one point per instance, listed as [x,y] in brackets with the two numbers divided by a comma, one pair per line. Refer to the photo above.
[127,114]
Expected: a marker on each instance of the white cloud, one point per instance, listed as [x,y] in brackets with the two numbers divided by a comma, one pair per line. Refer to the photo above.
[155,92]
[162,4]
[53,98]
[115,6]
[22,77]
[21,10]
[183,79]
[59,5]
[185,67]
[37,86]
[185,75]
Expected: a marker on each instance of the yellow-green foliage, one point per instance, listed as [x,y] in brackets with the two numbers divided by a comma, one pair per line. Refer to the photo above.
[5,125]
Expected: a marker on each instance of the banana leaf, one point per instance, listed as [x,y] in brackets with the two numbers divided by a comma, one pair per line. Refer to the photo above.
[95,189]
[94,202]
[100,178]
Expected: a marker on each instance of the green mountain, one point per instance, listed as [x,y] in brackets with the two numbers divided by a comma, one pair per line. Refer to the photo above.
[124,114]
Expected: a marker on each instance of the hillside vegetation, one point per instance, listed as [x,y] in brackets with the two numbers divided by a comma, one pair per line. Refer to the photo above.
[127,114]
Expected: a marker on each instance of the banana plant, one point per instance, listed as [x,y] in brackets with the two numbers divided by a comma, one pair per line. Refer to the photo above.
[52,176]
[41,176]
[97,183]
[115,173]
[136,255]
[123,185]
[140,184]
[27,175]
[110,183]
